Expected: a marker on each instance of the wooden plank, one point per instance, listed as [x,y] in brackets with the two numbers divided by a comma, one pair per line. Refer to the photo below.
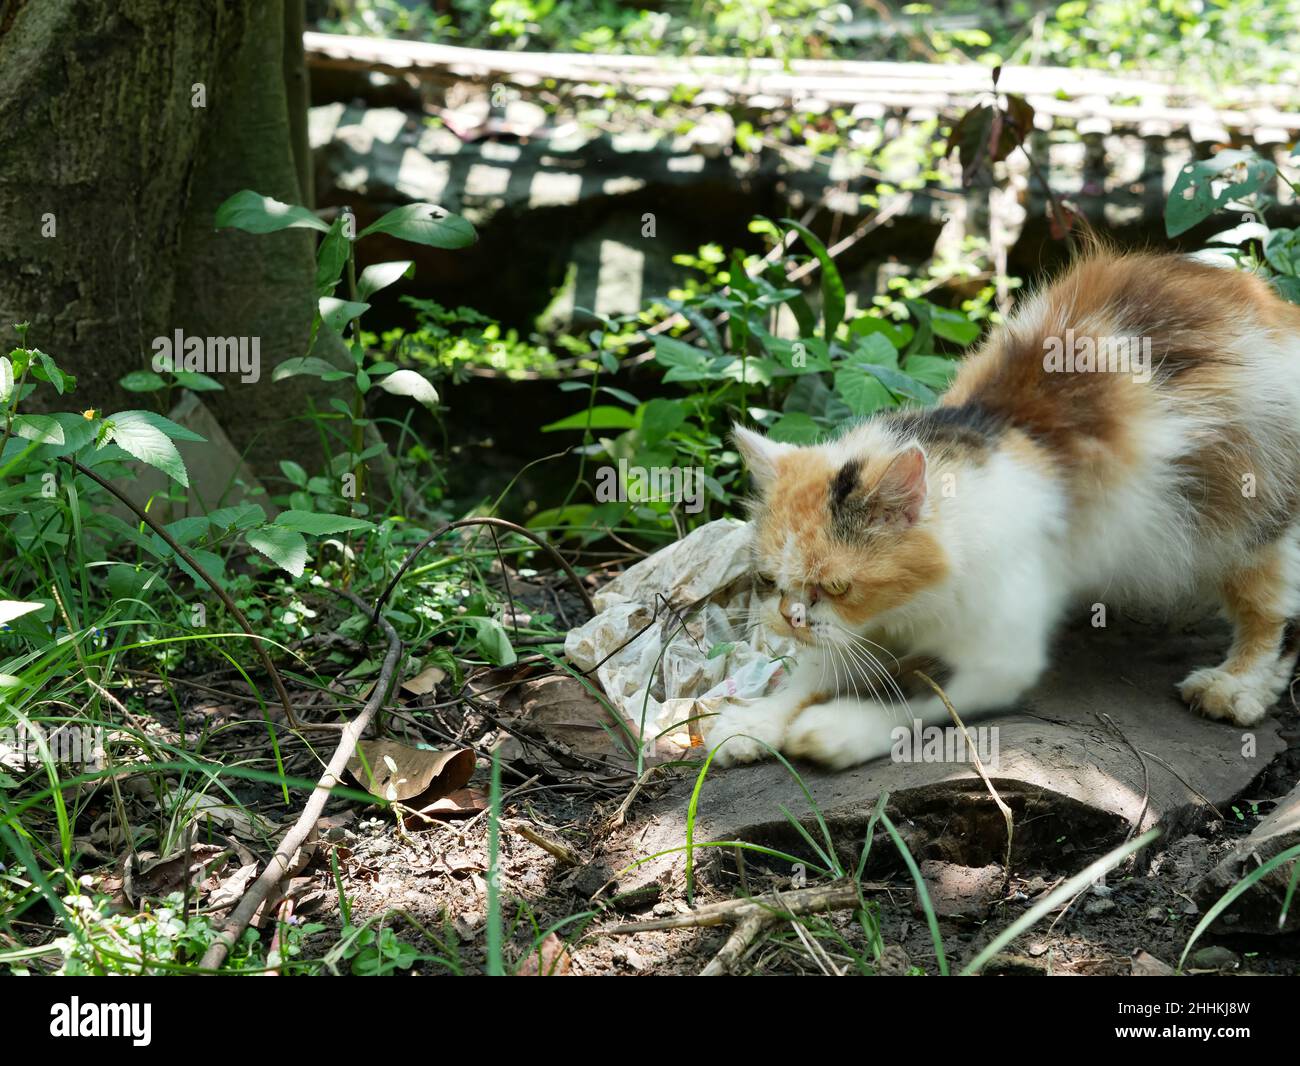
[937,87]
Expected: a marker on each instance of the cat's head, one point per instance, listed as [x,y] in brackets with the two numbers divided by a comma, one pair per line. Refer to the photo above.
[843,531]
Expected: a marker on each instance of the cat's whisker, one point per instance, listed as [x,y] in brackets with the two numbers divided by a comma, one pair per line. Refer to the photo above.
[874,665]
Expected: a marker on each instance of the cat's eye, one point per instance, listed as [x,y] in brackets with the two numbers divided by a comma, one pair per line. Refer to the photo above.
[835,588]
[764,581]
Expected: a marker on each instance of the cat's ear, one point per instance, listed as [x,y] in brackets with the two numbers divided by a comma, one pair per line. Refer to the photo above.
[899,495]
[760,454]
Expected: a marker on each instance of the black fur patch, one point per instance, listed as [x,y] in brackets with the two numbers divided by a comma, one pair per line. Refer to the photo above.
[844,484]
[970,426]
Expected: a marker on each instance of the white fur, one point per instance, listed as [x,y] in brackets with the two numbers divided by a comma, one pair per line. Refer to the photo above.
[1019,559]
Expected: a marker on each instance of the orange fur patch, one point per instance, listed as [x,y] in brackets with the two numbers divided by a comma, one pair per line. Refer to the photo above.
[883,573]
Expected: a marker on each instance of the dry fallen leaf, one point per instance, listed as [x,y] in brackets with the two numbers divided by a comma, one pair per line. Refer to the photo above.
[550,959]
[414,776]
[425,681]
[147,874]
[231,890]
[463,803]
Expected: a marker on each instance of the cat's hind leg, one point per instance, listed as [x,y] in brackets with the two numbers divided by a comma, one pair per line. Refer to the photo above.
[1259,598]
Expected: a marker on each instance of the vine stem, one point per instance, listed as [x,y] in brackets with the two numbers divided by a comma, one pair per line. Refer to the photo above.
[502,523]
[238,615]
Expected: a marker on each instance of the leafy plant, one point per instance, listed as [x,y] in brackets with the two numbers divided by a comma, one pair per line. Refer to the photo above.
[752,347]
[1238,182]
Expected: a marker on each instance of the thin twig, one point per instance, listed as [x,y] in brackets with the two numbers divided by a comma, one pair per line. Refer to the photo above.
[541,542]
[548,844]
[979,766]
[842,895]
[306,823]
[746,932]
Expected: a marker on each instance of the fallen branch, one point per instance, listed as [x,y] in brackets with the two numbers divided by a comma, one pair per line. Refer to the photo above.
[279,863]
[839,896]
[548,844]
[746,932]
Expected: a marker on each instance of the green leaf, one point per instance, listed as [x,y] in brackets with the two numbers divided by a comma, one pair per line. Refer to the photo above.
[1282,250]
[44,368]
[923,338]
[11,609]
[166,425]
[425,224]
[6,379]
[795,427]
[78,431]
[601,416]
[936,371]
[142,381]
[900,384]
[876,349]
[241,516]
[701,322]
[897,333]
[861,390]
[953,325]
[380,275]
[337,313]
[685,362]
[409,383]
[188,529]
[833,298]
[659,417]
[41,428]
[293,472]
[283,547]
[255,213]
[492,641]
[332,257]
[318,524]
[197,382]
[1193,198]
[139,437]
[1288,288]
[213,564]
[304,364]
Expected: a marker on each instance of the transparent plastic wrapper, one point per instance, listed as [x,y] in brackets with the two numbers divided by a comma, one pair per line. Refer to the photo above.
[681,636]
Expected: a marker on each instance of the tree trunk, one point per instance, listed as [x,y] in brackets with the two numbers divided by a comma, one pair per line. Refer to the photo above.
[123,124]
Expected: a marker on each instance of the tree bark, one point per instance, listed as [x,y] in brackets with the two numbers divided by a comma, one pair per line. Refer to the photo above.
[123,125]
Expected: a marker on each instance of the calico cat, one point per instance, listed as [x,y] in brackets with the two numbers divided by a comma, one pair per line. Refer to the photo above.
[966,531]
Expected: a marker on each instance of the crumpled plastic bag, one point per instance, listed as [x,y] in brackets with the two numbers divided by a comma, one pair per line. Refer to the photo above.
[681,635]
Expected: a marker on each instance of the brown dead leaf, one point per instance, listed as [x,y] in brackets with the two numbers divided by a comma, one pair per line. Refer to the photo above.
[414,776]
[463,803]
[563,711]
[425,681]
[147,874]
[550,959]
[232,889]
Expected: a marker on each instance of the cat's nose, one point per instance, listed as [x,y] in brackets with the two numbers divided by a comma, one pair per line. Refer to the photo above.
[794,608]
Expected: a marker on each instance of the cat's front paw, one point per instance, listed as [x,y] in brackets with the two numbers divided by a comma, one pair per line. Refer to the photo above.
[1226,697]
[839,734]
[746,734]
